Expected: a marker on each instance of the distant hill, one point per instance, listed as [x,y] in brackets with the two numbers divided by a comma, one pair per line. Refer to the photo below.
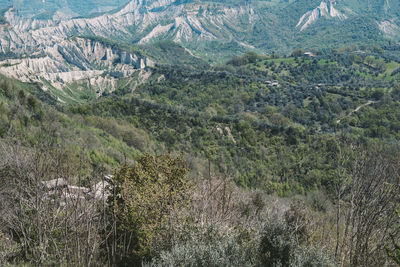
[38,36]
[45,9]
[212,28]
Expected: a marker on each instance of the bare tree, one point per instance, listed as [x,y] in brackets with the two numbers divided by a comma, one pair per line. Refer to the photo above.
[54,226]
[369,201]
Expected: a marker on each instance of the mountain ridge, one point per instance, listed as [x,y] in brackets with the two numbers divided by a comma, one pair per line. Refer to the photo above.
[212,30]
[187,23]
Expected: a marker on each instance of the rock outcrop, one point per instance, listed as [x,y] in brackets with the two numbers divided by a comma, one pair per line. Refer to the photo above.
[74,60]
[325,9]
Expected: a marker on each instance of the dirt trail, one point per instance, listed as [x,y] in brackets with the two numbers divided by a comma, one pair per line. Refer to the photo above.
[356,109]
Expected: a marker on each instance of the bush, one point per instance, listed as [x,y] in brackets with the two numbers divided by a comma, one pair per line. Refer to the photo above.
[311,257]
[278,245]
[219,253]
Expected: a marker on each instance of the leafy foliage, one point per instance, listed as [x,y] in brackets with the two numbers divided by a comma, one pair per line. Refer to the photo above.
[143,202]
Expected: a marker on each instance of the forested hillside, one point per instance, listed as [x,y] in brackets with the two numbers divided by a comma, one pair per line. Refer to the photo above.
[261,160]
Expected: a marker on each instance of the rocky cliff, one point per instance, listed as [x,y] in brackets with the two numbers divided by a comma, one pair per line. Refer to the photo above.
[48,48]
[77,60]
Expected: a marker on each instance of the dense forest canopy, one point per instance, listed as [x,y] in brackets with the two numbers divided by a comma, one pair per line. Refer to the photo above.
[262,160]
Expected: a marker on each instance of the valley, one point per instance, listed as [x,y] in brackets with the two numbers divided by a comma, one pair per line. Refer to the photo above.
[199,133]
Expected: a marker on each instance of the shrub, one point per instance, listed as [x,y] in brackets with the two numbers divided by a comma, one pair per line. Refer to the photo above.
[278,245]
[218,253]
[312,257]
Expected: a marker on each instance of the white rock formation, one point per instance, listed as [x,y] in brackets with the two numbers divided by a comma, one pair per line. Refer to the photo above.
[390,28]
[325,9]
[73,60]
[65,59]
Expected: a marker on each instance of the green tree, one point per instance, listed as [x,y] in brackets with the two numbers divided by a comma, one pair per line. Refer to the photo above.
[145,200]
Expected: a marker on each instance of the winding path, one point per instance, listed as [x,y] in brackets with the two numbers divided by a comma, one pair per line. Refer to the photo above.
[356,109]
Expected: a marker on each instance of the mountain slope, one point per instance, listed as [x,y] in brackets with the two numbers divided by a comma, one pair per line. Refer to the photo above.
[198,24]
[46,49]
[62,8]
